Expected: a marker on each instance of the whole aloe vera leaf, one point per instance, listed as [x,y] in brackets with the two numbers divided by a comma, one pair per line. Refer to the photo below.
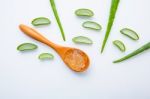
[52,2]
[113,10]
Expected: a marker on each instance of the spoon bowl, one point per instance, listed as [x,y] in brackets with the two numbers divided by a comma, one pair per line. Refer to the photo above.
[75,59]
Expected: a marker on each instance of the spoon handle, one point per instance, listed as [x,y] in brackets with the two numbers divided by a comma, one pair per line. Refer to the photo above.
[37,36]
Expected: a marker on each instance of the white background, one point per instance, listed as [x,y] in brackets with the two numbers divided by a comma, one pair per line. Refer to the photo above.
[23,76]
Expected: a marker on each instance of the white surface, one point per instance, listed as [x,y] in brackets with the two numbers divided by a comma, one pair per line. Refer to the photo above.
[23,76]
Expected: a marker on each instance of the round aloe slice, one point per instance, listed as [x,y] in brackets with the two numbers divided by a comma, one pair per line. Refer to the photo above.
[130,33]
[40,21]
[27,46]
[84,12]
[120,45]
[45,56]
[92,25]
[82,39]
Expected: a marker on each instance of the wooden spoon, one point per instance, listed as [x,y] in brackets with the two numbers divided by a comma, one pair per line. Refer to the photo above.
[74,58]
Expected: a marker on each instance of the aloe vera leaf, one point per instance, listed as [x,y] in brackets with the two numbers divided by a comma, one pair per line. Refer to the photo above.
[134,53]
[113,10]
[57,18]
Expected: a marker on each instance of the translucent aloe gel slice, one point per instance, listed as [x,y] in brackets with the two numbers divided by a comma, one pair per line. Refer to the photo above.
[45,56]
[130,33]
[120,45]
[26,47]
[40,21]
[82,39]
[92,25]
[84,12]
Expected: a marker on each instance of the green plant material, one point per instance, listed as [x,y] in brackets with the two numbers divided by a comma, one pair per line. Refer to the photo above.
[119,44]
[40,21]
[45,56]
[92,25]
[57,18]
[27,47]
[113,10]
[130,33]
[82,39]
[84,12]
[136,52]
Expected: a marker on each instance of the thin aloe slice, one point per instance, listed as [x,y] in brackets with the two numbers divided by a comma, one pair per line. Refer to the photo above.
[45,56]
[27,47]
[92,25]
[130,33]
[84,12]
[119,44]
[40,21]
[82,39]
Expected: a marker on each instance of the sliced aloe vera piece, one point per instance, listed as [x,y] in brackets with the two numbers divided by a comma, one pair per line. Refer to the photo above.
[45,56]
[130,33]
[92,25]
[84,12]
[27,46]
[40,21]
[120,45]
[82,39]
